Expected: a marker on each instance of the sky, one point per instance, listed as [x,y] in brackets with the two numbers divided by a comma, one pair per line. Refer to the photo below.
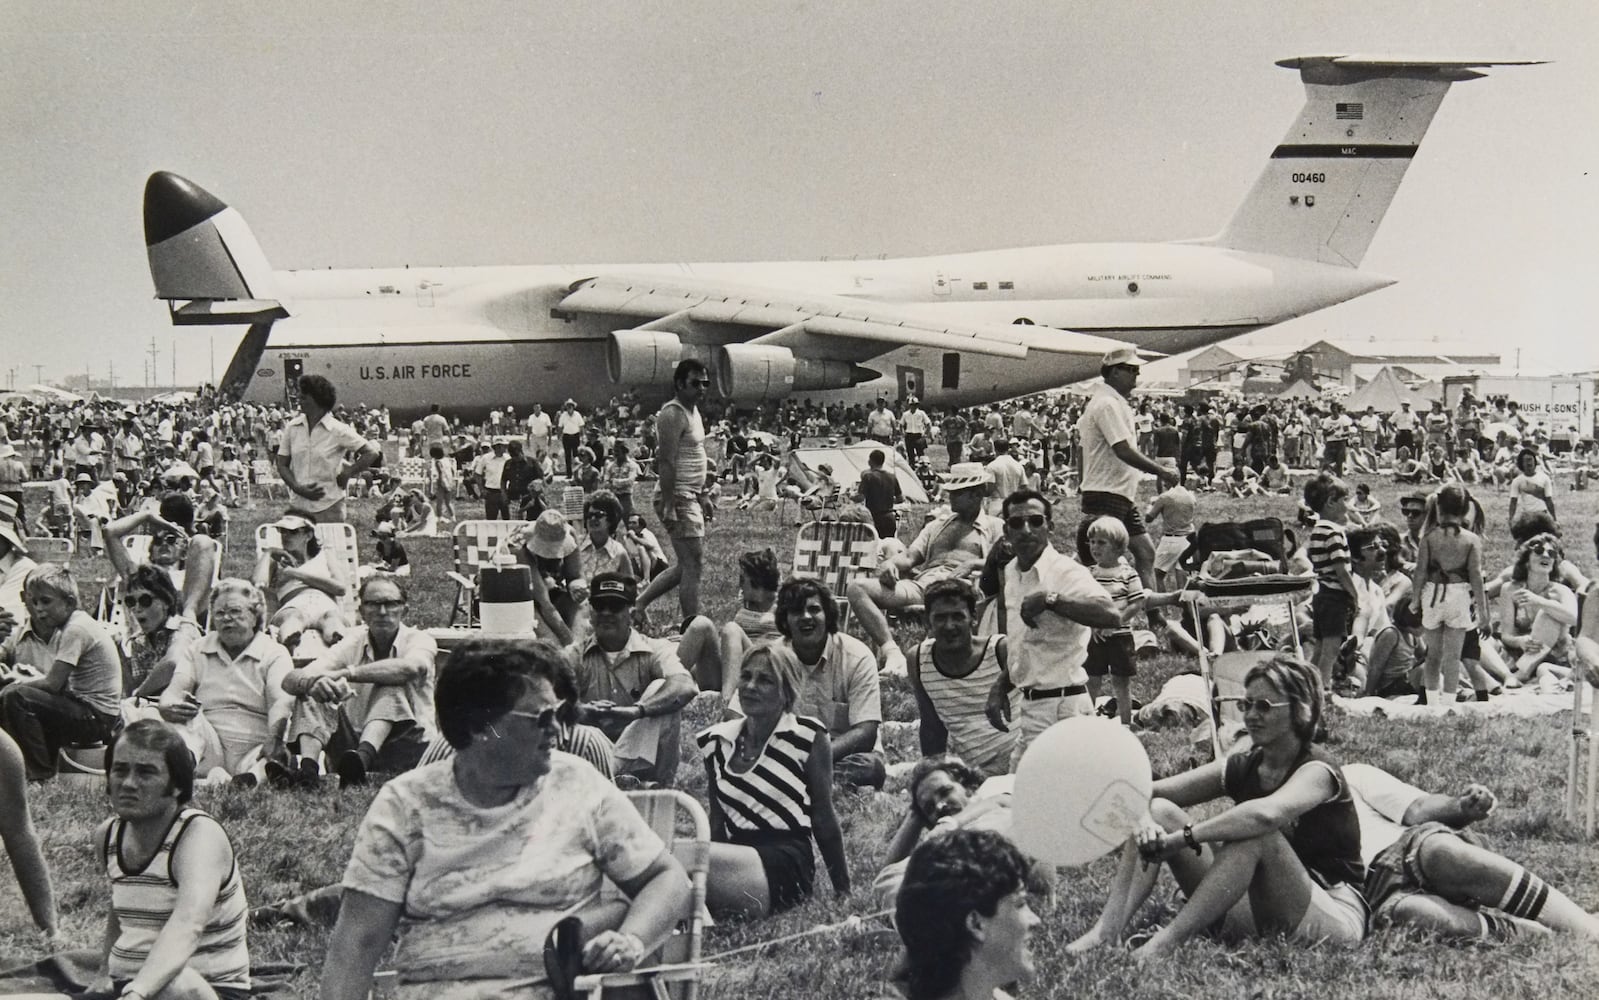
[615,132]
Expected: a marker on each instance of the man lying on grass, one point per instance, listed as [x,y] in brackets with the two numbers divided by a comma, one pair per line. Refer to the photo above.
[176,928]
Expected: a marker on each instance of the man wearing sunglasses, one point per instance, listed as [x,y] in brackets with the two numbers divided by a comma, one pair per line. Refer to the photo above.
[368,701]
[681,501]
[1413,508]
[1048,605]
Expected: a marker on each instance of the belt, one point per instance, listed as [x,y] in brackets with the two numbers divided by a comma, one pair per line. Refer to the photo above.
[1039,694]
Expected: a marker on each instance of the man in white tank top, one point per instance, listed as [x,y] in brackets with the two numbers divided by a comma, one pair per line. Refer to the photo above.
[682,503]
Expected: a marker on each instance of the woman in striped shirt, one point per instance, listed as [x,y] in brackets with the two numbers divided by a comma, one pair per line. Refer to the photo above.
[771,792]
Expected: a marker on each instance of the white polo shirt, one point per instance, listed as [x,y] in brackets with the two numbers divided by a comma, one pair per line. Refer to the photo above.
[1106,420]
[1051,654]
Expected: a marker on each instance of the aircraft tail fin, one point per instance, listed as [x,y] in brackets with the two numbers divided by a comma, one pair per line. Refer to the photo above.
[1328,184]
[202,253]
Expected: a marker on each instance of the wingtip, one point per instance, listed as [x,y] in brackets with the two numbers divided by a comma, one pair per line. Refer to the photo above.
[173,204]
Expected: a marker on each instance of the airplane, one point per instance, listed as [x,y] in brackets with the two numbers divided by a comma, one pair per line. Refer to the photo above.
[955,330]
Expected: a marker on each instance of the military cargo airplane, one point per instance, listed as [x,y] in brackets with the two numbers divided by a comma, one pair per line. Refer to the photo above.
[955,329]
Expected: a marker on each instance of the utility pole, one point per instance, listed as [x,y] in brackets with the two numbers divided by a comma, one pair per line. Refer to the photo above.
[174,364]
[111,373]
[150,373]
[38,374]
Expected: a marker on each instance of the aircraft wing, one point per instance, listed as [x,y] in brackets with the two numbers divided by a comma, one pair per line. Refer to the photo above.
[831,327]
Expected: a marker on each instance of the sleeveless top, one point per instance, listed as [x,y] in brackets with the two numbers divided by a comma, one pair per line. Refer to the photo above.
[143,900]
[691,463]
[1327,837]
[960,701]
[772,796]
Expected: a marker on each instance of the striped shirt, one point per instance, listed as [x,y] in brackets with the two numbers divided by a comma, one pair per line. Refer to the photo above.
[960,704]
[1124,586]
[143,901]
[773,795]
[1328,549]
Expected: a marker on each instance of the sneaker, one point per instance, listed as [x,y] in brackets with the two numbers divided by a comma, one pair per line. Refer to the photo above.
[351,769]
[279,774]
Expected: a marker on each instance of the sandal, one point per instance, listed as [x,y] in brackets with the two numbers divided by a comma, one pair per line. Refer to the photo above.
[563,956]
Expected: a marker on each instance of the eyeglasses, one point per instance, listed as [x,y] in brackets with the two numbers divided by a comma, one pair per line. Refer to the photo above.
[699,381]
[166,539]
[382,605]
[1543,548]
[1257,705]
[596,515]
[140,601]
[1020,521]
[1410,512]
[546,721]
[232,613]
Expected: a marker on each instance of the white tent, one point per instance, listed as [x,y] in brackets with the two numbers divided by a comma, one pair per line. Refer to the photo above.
[849,461]
[53,392]
[1383,393]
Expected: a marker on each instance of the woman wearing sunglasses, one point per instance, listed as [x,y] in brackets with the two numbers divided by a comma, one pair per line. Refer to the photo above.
[1536,611]
[158,636]
[1285,859]
[475,859]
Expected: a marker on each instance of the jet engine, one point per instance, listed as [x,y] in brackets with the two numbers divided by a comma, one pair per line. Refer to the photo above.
[755,372]
[642,357]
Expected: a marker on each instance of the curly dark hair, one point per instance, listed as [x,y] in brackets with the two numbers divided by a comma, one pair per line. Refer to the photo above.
[960,772]
[1518,570]
[948,878]
[483,678]
[156,582]
[759,567]
[793,594]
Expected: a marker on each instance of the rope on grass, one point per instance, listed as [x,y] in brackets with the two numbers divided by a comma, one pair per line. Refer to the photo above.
[851,924]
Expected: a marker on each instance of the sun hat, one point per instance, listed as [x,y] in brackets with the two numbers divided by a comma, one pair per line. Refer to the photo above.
[552,536]
[293,522]
[966,476]
[6,450]
[83,477]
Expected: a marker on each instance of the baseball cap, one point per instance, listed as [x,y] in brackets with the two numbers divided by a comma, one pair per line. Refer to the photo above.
[613,587]
[1121,356]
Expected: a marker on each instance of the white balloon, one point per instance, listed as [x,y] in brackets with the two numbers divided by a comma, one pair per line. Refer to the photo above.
[1082,788]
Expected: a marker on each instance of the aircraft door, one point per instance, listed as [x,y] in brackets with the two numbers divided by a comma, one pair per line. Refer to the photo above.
[940,284]
[293,368]
[910,382]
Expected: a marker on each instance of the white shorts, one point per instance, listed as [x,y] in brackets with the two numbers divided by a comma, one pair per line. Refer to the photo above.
[1446,605]
[1337,916]
[1171,546]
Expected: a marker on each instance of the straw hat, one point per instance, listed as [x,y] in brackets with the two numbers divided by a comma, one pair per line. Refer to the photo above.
[966,476]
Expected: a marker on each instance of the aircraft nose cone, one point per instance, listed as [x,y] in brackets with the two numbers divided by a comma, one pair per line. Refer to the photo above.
[173,204]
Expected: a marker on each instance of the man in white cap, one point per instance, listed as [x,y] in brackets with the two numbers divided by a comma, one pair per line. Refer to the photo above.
[1112,463]
[495,507]
[951,545]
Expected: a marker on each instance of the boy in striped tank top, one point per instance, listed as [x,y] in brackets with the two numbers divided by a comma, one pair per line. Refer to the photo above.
[1332,609]
[951,674]
[173,877]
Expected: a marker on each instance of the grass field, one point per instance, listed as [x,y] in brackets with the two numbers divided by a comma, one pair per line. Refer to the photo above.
[289,841]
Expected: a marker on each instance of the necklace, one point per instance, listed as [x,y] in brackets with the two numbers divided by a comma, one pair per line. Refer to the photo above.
[743,752]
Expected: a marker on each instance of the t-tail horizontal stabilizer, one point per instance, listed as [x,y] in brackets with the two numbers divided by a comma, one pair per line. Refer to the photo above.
[203,254]
[1328,184]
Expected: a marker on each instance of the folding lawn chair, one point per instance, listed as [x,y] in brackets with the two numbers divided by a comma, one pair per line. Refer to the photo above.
[679,820]
[266,477]
[338,541]
[836,552]
[474,543]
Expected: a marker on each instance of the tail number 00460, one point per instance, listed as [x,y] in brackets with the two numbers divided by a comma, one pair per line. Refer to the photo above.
[1308,178]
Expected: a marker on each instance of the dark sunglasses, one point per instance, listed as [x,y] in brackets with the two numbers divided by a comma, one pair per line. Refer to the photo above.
[1544,548]
[140,601]
[1413,512]
[1021,521]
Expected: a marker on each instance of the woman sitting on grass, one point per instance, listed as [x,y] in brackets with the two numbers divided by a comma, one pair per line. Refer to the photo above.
[477,858]
[771,792]
[1536,612]
[1284,859]
[964,918]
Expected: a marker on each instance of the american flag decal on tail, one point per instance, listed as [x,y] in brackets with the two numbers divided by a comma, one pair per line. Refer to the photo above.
[1349,112]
